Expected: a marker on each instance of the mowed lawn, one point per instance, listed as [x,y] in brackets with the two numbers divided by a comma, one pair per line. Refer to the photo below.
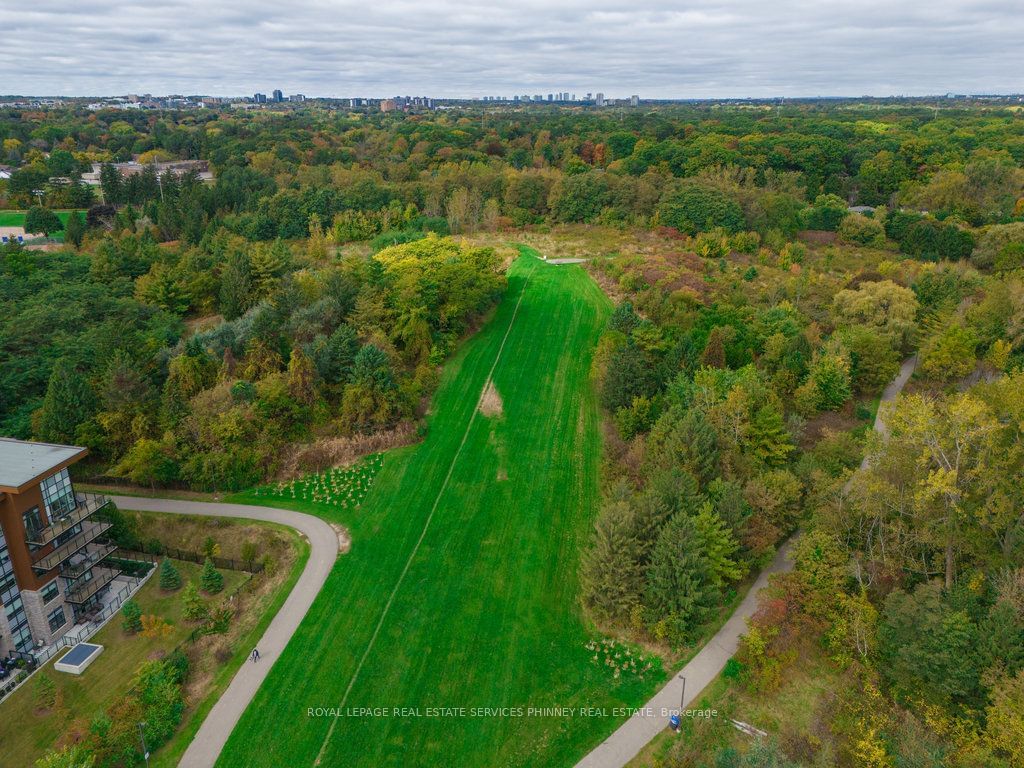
[487,613]
[17,218]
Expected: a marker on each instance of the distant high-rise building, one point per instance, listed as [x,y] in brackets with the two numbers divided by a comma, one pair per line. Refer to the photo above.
[297,97]
[599,99]
[634,101]
[551,97]
[259,98]
[278,95]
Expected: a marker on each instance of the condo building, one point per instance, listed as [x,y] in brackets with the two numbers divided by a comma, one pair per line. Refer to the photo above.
[53,547]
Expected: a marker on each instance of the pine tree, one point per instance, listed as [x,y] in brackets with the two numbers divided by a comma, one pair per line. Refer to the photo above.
[68,403]
[687,440]
[237,286]
[718,544]
[194,607]
[767,437]
[210,547]
[74,232]
[611,575]
[170,579]
[679,591]
[131,617]
[268,264]
[210,579]
[714,351]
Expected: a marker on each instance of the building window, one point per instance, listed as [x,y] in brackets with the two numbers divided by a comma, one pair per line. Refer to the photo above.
[33,523]
[58,495]
[57,619]
[50,591]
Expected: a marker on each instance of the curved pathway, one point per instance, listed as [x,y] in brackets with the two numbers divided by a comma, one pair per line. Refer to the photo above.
[633,735]
[323,541]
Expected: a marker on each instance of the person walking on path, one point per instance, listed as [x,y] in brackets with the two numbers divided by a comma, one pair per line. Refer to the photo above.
[255,655]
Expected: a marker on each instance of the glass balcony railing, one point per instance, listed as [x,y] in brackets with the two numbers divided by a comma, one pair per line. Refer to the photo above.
[82,591]
[88,503]
[85,558]
[50,560]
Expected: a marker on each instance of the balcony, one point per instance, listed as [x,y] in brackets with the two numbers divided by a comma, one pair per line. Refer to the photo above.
[47,562]
[85,558]
[87,504]
[82,591]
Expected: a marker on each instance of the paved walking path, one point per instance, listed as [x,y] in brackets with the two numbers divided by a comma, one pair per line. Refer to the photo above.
[323,540]
[637,732]
[633,735]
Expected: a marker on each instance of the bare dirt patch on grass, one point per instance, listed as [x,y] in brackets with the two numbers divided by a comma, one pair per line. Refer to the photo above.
[490,404]
[344,538]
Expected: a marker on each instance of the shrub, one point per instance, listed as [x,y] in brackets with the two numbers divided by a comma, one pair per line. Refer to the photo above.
[154,627]
[44,692]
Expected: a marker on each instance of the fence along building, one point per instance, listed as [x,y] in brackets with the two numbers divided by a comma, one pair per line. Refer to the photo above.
[52,546]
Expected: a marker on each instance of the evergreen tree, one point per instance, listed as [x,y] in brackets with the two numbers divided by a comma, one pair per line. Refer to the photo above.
[210,579]
[714,351]
[335,355]
[718,544]
[679,592]
[131,617]
[170,579]
[68,402]
[767,437]
[624,318]
[237,286]
[628,376]
[74,232]
[268,264]
[372,369]
[193,606]
[685,439]
[611,575]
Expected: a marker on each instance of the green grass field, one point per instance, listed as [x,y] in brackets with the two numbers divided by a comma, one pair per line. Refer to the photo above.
[461,588]
[17,218]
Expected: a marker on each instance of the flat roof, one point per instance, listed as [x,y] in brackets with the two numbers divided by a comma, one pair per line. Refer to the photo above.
[80,653]
[22,461]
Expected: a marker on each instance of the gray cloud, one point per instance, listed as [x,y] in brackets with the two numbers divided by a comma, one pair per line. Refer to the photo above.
[729,48]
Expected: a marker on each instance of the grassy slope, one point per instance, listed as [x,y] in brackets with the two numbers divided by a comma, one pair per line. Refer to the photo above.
[487,614]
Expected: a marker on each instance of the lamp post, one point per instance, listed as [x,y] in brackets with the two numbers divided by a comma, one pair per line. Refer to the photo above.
[682,696]
[142,737]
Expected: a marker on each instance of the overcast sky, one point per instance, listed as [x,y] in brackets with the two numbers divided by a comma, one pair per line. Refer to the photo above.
[728,48]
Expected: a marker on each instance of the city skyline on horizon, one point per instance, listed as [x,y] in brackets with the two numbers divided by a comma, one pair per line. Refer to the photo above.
[733,49]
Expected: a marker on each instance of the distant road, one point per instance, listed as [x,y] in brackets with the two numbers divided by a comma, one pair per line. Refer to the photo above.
[323,540]
[637,732]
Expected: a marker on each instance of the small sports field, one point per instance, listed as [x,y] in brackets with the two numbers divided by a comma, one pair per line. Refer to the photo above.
[17,218]
[456,610]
